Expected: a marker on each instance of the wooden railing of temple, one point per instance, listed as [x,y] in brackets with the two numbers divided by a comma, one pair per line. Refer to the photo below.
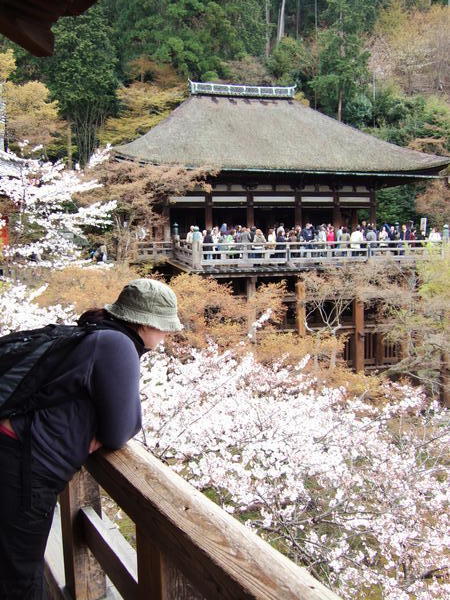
[293,255]
[187,547]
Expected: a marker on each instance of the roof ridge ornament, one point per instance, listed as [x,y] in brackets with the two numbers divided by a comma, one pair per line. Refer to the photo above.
[242,91]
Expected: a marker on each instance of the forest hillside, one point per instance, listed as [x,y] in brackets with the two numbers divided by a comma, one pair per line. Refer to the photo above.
[117,70]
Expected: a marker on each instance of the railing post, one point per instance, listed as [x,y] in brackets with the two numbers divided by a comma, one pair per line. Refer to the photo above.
[85,579]
[149,567]
[196,255]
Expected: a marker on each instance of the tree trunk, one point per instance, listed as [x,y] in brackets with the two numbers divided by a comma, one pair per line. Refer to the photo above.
[341,53]
[281,19]
[333,359]
[340,102]
[69,145]
[297,20]
[268,28]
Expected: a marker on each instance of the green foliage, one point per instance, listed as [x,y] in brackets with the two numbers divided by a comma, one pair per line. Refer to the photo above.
[416,121]
[358,111]
[397,204]
[343,71]
[195,36]
[81,74]
[143,106]
[291,62]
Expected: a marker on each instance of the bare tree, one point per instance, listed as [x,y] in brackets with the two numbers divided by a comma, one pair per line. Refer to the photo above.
[141,192]
[331,292]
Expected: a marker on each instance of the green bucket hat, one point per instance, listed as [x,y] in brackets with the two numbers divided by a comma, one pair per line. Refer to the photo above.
[147,302]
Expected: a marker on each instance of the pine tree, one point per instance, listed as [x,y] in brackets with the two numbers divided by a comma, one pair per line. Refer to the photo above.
[81,75]
[343,61]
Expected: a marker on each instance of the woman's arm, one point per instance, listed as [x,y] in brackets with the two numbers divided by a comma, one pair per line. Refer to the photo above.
[115,389]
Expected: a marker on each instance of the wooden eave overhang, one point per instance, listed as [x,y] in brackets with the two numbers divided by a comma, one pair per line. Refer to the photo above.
[28,22]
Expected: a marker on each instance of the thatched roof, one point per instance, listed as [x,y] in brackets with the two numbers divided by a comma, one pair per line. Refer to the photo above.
[253,134]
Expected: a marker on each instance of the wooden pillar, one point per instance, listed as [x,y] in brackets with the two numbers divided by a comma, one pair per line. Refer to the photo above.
[337,216]
[354,218]
[300,307]
[250,210]
[166,222]
[445,380]
[298,217]
[208,212]
[251,291]
[149,566]
[85,579]
[379,349]
[358,346]
[373,206]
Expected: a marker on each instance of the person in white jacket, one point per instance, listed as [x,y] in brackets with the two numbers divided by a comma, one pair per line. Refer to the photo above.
[356,238]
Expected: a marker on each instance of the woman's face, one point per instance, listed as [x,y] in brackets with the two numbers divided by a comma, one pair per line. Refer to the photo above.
[151,336]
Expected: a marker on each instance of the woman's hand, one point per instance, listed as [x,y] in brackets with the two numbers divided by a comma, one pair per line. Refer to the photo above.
[94,445]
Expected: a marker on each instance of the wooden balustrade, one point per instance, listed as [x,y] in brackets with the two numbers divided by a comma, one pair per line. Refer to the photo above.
[187,548]
[154,250]
[198,256]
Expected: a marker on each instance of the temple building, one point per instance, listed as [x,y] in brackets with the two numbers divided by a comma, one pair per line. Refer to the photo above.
[275,159]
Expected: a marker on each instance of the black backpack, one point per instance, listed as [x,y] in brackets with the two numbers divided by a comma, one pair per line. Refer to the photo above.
[27,358]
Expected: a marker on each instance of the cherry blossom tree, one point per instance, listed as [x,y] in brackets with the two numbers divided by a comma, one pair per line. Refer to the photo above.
[40,195]
[356,492]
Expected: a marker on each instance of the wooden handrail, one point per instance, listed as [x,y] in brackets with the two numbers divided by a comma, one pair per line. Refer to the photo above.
[180,532]
[294,254]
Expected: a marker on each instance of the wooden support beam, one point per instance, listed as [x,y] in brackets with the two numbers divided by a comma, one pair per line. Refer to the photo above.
[373,206]
[112,551]
[85,579]
[166,222]
[250,210]
[445,380]
[300,307]
[175,586]
[208,212]
[358,346]
[298,217]
[251,291]
[149,567]
[379,349]
[337,216]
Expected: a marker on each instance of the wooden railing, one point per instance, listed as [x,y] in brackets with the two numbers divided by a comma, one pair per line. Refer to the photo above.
[199,256]
[187,547]
[153,250]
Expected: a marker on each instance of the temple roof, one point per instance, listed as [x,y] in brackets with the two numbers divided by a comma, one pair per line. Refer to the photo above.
[232,133]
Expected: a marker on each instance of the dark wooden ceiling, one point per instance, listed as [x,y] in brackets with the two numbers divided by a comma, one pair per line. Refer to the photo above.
[28,22]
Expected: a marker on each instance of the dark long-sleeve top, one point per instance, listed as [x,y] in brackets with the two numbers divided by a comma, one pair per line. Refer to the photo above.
[100,378]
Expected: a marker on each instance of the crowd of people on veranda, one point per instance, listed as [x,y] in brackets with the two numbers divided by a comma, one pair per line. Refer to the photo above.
[312,237]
